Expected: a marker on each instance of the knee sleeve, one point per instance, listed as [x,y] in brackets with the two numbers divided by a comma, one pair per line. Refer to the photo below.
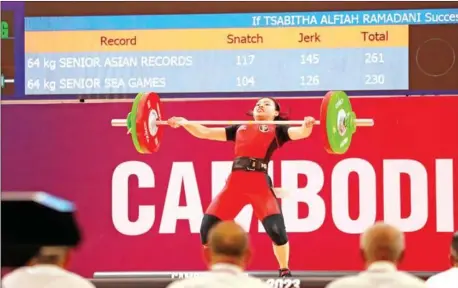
[207,223]
[275,228]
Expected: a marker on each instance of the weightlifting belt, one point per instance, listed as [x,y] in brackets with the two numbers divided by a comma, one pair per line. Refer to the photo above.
[249,164]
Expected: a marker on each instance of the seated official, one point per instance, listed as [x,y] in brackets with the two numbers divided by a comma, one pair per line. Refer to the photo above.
[448,278]
[46,270]
[227,254]
[382,248]
[38,232]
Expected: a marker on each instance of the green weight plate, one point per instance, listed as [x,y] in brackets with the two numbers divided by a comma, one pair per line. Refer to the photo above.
[131,121]
[337,120]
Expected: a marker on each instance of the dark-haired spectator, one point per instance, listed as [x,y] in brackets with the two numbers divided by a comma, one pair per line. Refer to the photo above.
[46,270]
[39,231]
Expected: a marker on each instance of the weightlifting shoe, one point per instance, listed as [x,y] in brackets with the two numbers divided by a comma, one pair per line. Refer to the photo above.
[285,273]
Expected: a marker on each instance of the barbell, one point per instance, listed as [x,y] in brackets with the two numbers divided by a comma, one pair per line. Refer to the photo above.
[145,125]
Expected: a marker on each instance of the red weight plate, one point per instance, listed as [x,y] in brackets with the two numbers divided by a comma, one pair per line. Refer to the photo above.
[323,119]
[149,135]
[140,122]
[159,132]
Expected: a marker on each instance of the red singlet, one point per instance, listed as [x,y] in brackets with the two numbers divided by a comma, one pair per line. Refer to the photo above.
[257,141]
[249,187]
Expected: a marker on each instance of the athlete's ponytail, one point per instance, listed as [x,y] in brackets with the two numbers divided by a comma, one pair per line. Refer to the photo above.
[281,115]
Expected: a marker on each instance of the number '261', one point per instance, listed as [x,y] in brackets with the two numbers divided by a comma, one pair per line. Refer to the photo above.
[284,283]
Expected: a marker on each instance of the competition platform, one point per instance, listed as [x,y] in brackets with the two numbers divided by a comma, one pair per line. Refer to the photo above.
[309,279]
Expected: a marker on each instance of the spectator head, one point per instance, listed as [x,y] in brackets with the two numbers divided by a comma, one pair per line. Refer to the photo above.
[52,255]
[37,227]
[454,250]
[382,242]
[228,243]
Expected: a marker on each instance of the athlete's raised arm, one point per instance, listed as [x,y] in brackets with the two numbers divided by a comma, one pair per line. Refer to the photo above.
[199,131]
[301,132]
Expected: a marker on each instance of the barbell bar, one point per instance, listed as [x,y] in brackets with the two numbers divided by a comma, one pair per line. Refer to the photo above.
[145,124]
[358,122]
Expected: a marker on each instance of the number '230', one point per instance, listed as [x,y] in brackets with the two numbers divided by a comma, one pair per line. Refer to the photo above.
[284,283]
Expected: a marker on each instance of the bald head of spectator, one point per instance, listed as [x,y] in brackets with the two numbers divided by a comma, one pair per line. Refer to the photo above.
[228,243]
[454,250]
[382,242]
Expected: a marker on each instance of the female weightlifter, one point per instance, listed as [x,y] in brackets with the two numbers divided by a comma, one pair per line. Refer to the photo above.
[248,182]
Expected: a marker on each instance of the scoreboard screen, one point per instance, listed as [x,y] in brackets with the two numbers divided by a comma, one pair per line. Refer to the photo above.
[93,50]
[263,52]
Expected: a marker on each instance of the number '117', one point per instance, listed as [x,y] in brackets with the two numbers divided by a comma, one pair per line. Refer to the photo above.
[244,60]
